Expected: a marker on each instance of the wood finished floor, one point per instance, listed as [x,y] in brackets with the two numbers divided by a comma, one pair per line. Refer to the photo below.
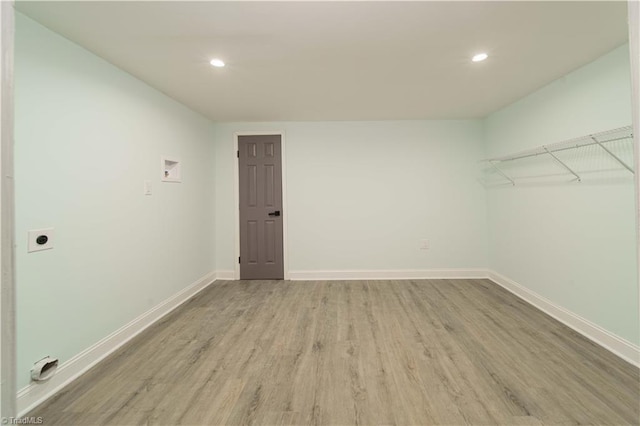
[416,352]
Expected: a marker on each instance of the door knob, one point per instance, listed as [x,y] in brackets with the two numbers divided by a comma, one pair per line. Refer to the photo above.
[276,213]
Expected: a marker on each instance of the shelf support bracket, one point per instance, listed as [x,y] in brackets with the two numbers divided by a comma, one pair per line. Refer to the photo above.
[501,173]
[562,164]
[615,157]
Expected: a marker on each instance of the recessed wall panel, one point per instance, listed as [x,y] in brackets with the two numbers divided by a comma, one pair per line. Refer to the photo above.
[269,150]
[269,182]
[252,241]
[270,241]
[252,150]
[252,186]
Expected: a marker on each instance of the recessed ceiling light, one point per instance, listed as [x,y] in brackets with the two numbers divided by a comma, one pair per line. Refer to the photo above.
[479,57]
[217,63]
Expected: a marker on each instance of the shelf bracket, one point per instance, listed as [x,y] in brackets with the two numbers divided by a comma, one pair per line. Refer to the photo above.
[501,173]
[615,157]
[562,164]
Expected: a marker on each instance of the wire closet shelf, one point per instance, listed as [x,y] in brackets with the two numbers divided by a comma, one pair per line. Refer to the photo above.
[608,153]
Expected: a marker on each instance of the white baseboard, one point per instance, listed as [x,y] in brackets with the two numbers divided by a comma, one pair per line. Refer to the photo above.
[617,345]
[400,274]
[225,275]
[36,393]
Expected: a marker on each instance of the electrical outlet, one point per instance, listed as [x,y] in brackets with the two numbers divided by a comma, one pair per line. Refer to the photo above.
[40,239]
[424,244]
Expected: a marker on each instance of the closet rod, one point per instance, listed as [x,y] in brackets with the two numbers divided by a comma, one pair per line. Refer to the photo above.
[566,148]
[593,139]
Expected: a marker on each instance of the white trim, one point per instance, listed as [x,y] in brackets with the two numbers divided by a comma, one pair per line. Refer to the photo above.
[34,394]
[236,208]
[617,345]
[236,195]
[7,217]
[634,54]
[226,275]
[285,210]
[401,274]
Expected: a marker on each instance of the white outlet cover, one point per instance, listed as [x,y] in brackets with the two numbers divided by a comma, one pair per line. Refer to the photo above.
[32,244]
[147,187]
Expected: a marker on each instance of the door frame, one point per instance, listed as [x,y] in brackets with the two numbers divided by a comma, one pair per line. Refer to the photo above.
[633,16]
[236,195]
[7,216]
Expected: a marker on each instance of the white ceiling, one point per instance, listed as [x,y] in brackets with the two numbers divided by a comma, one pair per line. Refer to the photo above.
[341,60]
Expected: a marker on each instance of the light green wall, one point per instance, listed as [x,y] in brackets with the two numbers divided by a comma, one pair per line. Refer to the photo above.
[87,136]
[572,243]
[361,195]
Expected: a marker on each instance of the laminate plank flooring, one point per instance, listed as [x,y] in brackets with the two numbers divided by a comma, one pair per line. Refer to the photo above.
[420,352]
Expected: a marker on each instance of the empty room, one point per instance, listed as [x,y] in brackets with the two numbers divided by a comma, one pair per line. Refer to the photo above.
[337,213]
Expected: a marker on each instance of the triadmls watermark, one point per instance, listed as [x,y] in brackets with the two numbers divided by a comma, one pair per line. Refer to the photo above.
[22,420]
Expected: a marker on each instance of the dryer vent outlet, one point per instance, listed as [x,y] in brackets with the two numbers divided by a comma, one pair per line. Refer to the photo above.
[44,369]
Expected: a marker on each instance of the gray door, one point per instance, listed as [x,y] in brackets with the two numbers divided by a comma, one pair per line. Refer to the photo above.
[260,166]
